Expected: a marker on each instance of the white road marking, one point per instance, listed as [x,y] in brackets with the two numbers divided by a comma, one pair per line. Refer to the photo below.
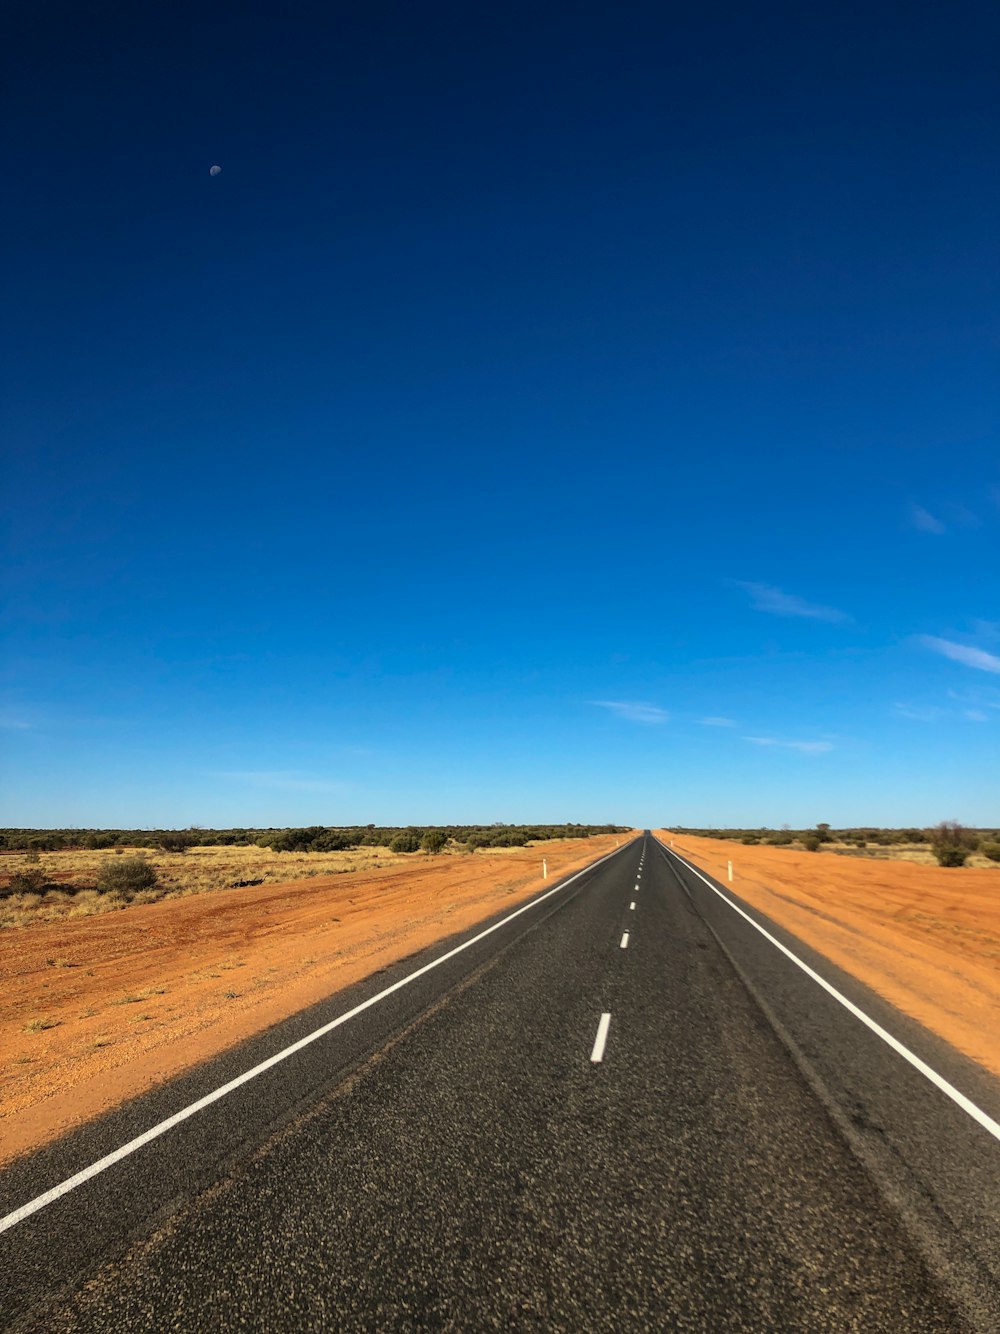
[631,906]
[624,944]
[939,1082]
[78,1179]
[597,1054]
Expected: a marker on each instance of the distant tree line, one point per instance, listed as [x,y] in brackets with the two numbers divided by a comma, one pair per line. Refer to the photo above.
[310,838]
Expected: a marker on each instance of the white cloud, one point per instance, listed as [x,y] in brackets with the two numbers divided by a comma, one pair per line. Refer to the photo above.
[806,747]
[917,713]
[718,722]
[925,522]
[286,780]
[634,710]
[776,603]
[964,653]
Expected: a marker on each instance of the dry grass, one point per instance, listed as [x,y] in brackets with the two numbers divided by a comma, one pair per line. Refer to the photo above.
[918,853]
[196,871]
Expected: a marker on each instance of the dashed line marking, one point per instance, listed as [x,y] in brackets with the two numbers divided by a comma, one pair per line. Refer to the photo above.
[624,944]
[597,1055]
[162,1127]
[631,906]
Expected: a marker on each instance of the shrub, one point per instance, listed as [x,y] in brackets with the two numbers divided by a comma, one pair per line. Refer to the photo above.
[405,843]
[991,850]
[951,843]
[27,882]
[174,840]
[949,855]
[780,840]
[811,842]
[434,840]
[750,838]
[126,876]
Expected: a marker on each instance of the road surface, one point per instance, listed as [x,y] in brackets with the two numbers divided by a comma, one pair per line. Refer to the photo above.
[622,1108]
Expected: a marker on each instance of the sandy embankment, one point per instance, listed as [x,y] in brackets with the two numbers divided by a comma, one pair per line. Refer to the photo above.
[95,1010]
[926,938]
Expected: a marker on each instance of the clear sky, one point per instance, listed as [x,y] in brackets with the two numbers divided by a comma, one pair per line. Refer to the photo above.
[549,412]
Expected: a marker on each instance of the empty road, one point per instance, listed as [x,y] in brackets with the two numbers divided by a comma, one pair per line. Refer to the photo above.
[624,1108]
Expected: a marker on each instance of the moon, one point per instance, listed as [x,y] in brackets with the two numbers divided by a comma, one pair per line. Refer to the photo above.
[214,171]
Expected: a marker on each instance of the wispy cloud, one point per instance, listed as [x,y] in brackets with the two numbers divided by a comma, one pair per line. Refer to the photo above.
[976,716]
[718,722]
[11,723]
[978,698]
[806,747]
[286,780]
[917,713]
[763,597]
[964,653]
[634,710]
[925,522]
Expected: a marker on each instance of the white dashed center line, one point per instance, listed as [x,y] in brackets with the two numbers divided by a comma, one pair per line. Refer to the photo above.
[597,1054]
[631,906]
[624,944]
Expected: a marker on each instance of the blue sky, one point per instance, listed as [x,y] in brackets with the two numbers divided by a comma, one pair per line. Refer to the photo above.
[549,413]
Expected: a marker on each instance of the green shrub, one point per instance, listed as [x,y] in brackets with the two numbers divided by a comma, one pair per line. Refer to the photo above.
[750,838]
[126,876]
[434,840]
[405,843]
[174,840]
[951,843]
[991,850]
[811,842]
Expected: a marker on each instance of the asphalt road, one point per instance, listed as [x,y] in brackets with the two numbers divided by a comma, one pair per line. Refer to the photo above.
[746,1154]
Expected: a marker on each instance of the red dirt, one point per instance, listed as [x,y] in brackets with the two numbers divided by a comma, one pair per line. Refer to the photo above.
[924,937]
[137,996]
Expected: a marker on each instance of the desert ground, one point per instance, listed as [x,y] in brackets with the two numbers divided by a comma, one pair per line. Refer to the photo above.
[925,937]
[96,1006]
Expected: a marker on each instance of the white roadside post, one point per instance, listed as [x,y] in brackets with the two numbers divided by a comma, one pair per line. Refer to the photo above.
[545,869]
[730,873]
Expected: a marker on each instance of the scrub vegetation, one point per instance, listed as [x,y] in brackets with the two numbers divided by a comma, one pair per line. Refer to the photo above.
[46,873]
[947,843]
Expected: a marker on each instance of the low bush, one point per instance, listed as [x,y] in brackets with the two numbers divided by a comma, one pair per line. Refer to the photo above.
[811,842]
[32,881]
[991,850]
[405,843]
[126,876]
[951,843]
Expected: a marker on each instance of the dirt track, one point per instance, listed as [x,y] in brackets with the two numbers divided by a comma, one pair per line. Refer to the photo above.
[135,997]
[925,937]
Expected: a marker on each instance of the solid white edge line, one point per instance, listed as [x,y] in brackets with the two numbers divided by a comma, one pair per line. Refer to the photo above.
[95,1169]
[597,1055]
[949,1090]
[624,944]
